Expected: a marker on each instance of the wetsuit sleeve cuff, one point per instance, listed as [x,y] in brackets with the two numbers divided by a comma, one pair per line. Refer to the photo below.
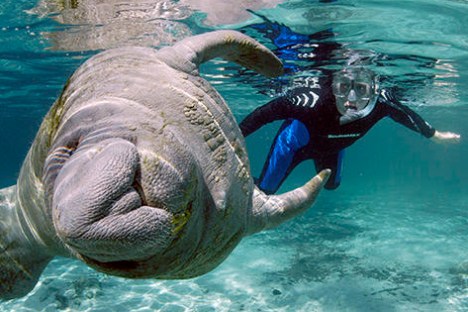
[430,133]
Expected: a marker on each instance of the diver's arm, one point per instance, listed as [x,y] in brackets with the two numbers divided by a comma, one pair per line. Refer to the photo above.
[404,115]
[410,119]
[277,109]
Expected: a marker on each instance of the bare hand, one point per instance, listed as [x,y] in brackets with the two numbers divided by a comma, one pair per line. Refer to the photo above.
[446,137]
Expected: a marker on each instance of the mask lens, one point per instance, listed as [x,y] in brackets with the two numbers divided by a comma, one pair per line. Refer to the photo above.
[362,89]
[342,88]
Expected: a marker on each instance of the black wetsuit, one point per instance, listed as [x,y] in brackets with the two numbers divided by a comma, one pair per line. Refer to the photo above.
[314,129]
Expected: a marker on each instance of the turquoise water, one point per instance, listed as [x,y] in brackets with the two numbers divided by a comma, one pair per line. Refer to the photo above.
[391,238]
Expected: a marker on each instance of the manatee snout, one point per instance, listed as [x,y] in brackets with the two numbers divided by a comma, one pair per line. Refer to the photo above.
[113,203]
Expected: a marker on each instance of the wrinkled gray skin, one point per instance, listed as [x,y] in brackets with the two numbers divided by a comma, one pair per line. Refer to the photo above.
[140,170]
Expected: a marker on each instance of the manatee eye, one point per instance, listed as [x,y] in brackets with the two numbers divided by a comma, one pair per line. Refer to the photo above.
[54,162]
[59,156]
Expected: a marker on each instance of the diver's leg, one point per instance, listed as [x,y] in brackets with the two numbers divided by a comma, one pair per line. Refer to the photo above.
[292,136]
[335,163]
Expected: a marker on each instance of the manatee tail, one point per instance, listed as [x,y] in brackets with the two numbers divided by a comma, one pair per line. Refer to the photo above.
[20,262]
[270,211]
[231,45]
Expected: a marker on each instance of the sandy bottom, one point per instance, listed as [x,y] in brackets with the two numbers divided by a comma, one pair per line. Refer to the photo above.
[352,255]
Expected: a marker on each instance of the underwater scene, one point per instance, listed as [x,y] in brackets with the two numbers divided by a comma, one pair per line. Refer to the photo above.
[392,237]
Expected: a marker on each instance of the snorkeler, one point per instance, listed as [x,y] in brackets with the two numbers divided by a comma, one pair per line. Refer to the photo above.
[325,117]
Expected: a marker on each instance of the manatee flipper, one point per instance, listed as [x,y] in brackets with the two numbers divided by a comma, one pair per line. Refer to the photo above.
[21,259]
[233,46]
[271,210]
[99,214]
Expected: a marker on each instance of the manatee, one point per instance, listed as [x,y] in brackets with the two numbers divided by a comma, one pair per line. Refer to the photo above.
[140,170]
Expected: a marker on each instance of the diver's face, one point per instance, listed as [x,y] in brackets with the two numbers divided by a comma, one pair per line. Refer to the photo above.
[353,90]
